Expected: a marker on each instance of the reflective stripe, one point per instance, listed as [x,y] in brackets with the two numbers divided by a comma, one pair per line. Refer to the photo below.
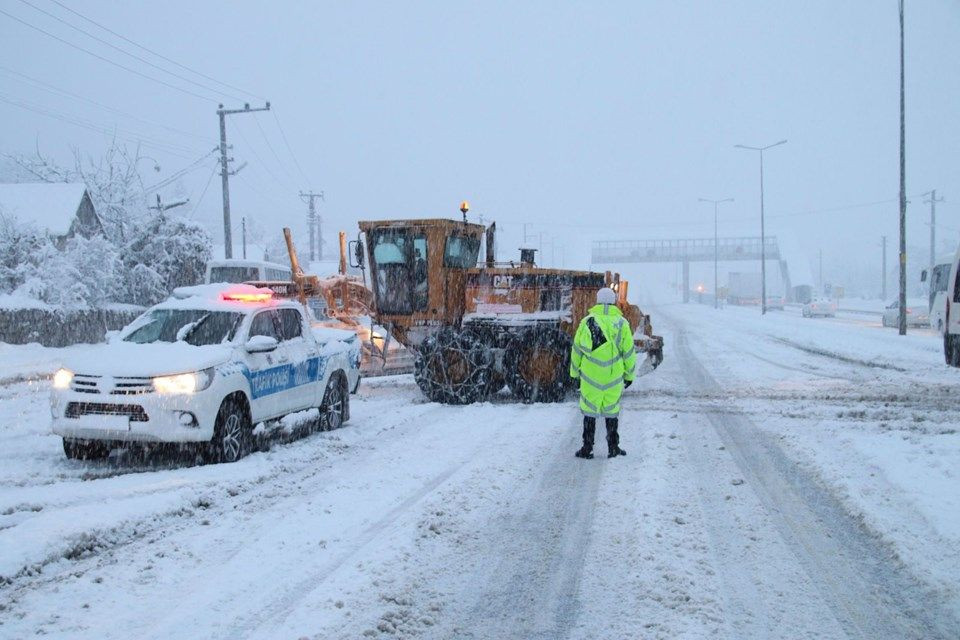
[629,372]
[596,361]
[602,363]
[630,352]
[601,387]
[590,409]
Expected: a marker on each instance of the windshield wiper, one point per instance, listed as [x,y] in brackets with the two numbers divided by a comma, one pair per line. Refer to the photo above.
[187,330]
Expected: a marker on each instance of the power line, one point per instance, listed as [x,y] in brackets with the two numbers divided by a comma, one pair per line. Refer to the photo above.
[259,158]
[204,192]
[152,52]
[182,172]
[127,53]
[53,89]
[107,60]
[174,150]
[90,124]
[272,150]
[289,148]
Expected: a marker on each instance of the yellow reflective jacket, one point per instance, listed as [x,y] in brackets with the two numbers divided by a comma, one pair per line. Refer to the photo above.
[602,357]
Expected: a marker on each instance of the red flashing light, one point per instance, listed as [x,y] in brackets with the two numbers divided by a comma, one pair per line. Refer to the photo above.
[247,297]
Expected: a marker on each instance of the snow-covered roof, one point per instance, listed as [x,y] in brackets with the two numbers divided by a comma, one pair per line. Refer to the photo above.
[49,205]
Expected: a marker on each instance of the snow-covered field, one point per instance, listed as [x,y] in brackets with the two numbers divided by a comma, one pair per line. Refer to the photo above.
[786,478]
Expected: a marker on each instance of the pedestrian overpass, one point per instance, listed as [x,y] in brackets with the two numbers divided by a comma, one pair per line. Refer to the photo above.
[689,250]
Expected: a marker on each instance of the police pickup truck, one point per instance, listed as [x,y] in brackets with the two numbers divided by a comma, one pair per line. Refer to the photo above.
[204,367]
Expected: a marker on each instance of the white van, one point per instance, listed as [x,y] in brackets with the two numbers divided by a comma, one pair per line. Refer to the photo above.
[237,271]
[951,335]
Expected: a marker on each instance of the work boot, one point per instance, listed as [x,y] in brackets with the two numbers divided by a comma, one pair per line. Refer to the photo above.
[613,439]
[589,427]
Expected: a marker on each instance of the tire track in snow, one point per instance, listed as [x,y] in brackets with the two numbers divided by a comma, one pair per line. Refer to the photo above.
[297,465]
[870,595]
[532,591]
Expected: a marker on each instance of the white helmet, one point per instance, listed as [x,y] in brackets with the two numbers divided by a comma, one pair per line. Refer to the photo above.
[606,296]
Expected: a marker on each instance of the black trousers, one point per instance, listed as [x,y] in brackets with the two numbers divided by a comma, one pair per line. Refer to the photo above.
[590,428]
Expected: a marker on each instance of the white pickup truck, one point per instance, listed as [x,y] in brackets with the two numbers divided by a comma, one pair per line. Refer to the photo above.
[204,367]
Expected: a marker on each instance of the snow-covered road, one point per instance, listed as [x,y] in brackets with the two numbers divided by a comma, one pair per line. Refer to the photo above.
[786,478]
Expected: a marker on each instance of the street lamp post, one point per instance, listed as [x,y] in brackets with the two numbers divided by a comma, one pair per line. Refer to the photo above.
[716,246]
[763,238]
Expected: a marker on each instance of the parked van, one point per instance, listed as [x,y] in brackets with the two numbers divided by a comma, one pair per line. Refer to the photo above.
[237,271]
[951,336]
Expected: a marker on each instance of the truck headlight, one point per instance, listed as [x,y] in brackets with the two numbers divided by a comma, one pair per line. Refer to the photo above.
[62,379]
[184,383]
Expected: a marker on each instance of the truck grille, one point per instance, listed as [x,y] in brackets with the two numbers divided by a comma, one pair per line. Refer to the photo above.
[133,411]
[112,386]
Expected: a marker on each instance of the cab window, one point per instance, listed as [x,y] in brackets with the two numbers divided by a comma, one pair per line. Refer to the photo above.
[400,260]
[264,325]
[290,324]
[461,252]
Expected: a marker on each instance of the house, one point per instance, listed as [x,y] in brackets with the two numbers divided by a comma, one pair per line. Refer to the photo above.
[62,209]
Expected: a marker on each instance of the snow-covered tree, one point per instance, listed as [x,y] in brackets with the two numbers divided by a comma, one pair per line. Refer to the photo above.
[175,249]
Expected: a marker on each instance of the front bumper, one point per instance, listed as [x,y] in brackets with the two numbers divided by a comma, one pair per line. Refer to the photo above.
[146,417]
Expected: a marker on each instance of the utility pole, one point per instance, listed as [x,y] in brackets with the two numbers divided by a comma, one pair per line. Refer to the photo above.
[933,230]
[903,191]
[313,223]
[821,270]
[225,172]
[716,246]
[763,236]
[243,223]
[883,289]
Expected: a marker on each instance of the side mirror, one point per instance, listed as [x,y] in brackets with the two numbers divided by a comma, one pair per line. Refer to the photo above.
[356,248]
[261,344]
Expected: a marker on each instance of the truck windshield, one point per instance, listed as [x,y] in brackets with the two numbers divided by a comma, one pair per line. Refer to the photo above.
[461,252]
[169,325]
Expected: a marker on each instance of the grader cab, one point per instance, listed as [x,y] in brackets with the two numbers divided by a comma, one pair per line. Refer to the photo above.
[478,325]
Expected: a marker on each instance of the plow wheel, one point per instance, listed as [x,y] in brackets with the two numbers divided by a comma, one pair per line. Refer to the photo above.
[453,368]
[495,378]
[537,364]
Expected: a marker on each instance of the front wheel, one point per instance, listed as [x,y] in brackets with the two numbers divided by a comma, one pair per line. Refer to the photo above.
[334,408]
[85,449]
[232,433]
[453,368]
[537,364]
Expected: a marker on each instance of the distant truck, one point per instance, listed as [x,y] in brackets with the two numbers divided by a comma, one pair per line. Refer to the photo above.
[745,289]
[203,368]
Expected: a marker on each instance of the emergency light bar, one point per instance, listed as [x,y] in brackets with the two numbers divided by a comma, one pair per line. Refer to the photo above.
[246,297]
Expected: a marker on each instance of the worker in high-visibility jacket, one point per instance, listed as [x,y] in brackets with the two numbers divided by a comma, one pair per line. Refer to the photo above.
[604,359]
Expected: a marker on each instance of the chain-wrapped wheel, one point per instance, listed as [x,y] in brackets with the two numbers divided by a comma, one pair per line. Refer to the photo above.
[488,337]
[537,364]
[453,367]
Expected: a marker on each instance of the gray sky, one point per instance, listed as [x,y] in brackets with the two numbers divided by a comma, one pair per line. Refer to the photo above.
[588,120]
